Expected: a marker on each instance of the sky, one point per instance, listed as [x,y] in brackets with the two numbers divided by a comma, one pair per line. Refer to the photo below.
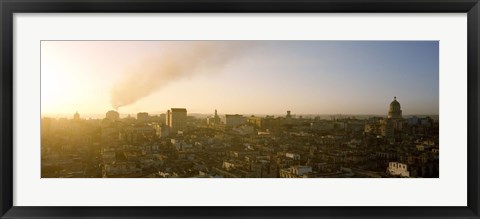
[244,77]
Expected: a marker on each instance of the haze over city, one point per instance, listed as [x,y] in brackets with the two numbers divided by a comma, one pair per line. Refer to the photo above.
[240,109]
[244,77]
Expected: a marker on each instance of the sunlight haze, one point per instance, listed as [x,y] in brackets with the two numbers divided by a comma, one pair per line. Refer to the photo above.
[244,77]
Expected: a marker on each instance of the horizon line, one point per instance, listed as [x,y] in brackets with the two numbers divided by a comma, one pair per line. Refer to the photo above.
[250,114]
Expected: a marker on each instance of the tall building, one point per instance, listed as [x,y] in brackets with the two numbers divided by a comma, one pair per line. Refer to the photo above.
[392,126]
[167,118]
[177,119]
[234,120]
[288,118]
[215,120]
[394,111]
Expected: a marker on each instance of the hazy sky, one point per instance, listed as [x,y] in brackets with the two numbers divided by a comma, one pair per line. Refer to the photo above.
[245,77]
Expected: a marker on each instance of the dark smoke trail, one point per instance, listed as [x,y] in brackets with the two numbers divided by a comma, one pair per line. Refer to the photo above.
[179,60]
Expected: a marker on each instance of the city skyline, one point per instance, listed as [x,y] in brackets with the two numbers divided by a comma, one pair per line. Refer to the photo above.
[202,115]
[176,145]
[244,77]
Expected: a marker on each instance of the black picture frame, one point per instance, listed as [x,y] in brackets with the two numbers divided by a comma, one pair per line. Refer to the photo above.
[9,7]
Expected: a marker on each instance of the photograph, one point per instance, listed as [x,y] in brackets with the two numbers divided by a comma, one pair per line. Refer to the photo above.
[239,109]
[252,109]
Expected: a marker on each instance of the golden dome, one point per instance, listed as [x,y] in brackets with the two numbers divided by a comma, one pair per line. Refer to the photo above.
[395,111]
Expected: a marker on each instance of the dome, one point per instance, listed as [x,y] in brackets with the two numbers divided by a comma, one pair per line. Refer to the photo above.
[76,116]
[395,104]
[112,115]
[395,111]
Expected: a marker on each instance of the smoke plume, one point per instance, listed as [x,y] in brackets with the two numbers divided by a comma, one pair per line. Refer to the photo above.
[179,60]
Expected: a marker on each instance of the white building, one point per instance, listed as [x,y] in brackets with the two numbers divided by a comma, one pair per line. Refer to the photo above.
[293,156]
[228,165]
[398,169]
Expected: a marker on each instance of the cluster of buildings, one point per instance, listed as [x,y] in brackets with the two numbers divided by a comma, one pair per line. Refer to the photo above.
[174,144]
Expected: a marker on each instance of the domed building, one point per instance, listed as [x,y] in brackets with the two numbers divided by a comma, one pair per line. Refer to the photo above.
[112,115]
[76,116]
[392,126]
[395,111]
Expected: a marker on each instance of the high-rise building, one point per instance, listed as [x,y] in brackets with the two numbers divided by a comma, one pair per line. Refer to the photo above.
[177,120]
[234,120]
[167,118]
[394,111]
[215,120]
